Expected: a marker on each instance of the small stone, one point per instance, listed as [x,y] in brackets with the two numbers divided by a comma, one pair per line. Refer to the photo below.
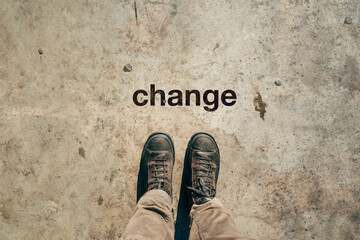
[348,20]
[40,51]
[127,68]
[277,83]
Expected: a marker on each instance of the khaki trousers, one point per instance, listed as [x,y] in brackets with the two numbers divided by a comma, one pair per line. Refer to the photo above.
[154,219]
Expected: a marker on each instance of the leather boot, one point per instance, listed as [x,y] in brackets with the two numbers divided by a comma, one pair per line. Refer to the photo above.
[204,156]
[198,184]
[156,165]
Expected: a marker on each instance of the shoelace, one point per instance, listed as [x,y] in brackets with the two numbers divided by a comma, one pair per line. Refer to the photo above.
[158,158]
[203,174]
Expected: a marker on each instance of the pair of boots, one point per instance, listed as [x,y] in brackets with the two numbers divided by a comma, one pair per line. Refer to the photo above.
[200,174]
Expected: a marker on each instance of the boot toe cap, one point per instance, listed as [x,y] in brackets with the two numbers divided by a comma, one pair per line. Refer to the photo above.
[204,142]
[159,142]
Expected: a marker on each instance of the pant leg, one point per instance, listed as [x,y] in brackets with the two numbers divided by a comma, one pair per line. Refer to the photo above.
[211,221]
[153,217]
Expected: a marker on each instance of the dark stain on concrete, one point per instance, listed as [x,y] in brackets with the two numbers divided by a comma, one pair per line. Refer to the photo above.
[112,176]
[174,11]
[355,218]
[4,213]
[100,200]
[348,20]
[82,152]
[260,105]
[350,75]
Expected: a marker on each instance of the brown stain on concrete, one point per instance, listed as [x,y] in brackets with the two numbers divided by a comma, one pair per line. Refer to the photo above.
[296,193]
[82,152]
[100,200]
[350,75]
[260,105]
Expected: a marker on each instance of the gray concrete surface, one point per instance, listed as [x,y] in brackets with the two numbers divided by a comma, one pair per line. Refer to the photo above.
[71,137]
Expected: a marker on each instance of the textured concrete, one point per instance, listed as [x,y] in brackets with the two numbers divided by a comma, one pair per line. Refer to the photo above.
[71,137]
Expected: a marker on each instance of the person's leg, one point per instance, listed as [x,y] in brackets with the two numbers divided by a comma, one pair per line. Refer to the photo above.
[153,217]
[211,220]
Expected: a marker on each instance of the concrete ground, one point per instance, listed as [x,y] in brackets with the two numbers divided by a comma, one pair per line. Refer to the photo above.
[71,136]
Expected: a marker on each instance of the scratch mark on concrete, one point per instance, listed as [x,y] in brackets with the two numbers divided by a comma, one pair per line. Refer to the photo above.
[216,46]
[135,8]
